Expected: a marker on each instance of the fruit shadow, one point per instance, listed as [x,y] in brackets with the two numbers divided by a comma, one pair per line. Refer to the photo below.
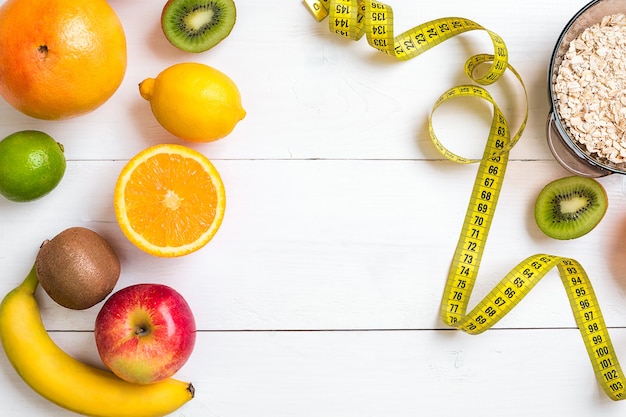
[615,258]
[161,47]
[151,132]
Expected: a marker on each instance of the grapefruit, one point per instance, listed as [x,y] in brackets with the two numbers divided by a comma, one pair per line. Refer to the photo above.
[60,58]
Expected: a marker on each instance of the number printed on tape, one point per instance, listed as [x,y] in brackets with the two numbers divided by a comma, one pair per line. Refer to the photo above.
[353,19]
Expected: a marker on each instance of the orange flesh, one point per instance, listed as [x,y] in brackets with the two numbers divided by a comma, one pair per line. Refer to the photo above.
[170,200]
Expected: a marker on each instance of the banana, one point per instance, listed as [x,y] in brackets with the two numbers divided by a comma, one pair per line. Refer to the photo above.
[69,383]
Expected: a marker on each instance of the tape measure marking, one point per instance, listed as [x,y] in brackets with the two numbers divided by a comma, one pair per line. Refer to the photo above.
[354,18]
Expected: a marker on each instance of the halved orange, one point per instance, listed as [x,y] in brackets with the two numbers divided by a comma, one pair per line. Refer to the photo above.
[169,200]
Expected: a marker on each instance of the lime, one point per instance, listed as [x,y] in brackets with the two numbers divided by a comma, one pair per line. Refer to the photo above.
[31,165]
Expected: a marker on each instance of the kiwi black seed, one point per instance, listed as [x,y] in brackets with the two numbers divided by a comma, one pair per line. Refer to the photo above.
[197,25]
[570,207]
[77,268]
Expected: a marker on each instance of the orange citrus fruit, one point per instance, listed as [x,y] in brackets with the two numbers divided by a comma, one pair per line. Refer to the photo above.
[194,102]
[169,200]
[60,58]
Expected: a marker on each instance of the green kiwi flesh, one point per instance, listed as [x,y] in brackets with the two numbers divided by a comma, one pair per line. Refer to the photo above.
[77,268]
[570,207]
[197,25]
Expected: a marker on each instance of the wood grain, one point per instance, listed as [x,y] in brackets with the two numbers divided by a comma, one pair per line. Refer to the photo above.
[320,294]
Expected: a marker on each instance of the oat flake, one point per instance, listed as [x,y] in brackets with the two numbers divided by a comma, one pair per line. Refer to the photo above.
[590,88]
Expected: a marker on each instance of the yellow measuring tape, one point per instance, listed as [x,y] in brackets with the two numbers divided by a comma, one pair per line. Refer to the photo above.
[353,19]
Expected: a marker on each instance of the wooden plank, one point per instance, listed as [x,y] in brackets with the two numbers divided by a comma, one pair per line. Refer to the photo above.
[310,94]
[329,244]
[397,373]
[319,297]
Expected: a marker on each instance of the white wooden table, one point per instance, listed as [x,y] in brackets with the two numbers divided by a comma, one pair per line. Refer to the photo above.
[320,294]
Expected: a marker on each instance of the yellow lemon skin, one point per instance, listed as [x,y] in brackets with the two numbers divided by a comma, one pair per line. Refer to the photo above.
[194,101]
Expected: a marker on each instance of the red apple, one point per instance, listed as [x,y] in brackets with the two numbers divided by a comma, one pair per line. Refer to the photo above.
[145,332]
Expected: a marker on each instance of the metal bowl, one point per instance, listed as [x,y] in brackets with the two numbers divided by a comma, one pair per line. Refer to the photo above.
[566,150]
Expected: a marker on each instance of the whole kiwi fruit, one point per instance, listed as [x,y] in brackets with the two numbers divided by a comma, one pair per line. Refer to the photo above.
[77,268]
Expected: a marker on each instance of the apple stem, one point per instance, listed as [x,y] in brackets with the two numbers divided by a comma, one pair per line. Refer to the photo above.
[141,331]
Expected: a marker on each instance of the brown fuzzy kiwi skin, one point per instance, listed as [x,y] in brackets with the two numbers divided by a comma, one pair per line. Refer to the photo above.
[77,268]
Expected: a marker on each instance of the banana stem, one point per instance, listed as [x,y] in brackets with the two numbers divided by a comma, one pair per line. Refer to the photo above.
[31,281]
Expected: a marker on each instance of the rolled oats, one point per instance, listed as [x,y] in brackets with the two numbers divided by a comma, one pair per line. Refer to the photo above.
[590,89]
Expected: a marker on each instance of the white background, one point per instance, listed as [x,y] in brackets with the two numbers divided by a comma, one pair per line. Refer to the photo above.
[319,296]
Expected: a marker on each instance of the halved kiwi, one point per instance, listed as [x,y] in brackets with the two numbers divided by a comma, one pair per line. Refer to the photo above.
[570,207]
[197,25]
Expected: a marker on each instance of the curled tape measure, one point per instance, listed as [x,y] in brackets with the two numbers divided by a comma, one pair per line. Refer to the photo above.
[355,18]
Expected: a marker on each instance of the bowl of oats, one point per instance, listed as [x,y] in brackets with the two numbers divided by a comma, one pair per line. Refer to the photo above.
[586,128]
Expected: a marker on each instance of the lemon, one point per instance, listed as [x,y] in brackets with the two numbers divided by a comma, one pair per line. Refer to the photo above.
[31,165]
[194,101]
